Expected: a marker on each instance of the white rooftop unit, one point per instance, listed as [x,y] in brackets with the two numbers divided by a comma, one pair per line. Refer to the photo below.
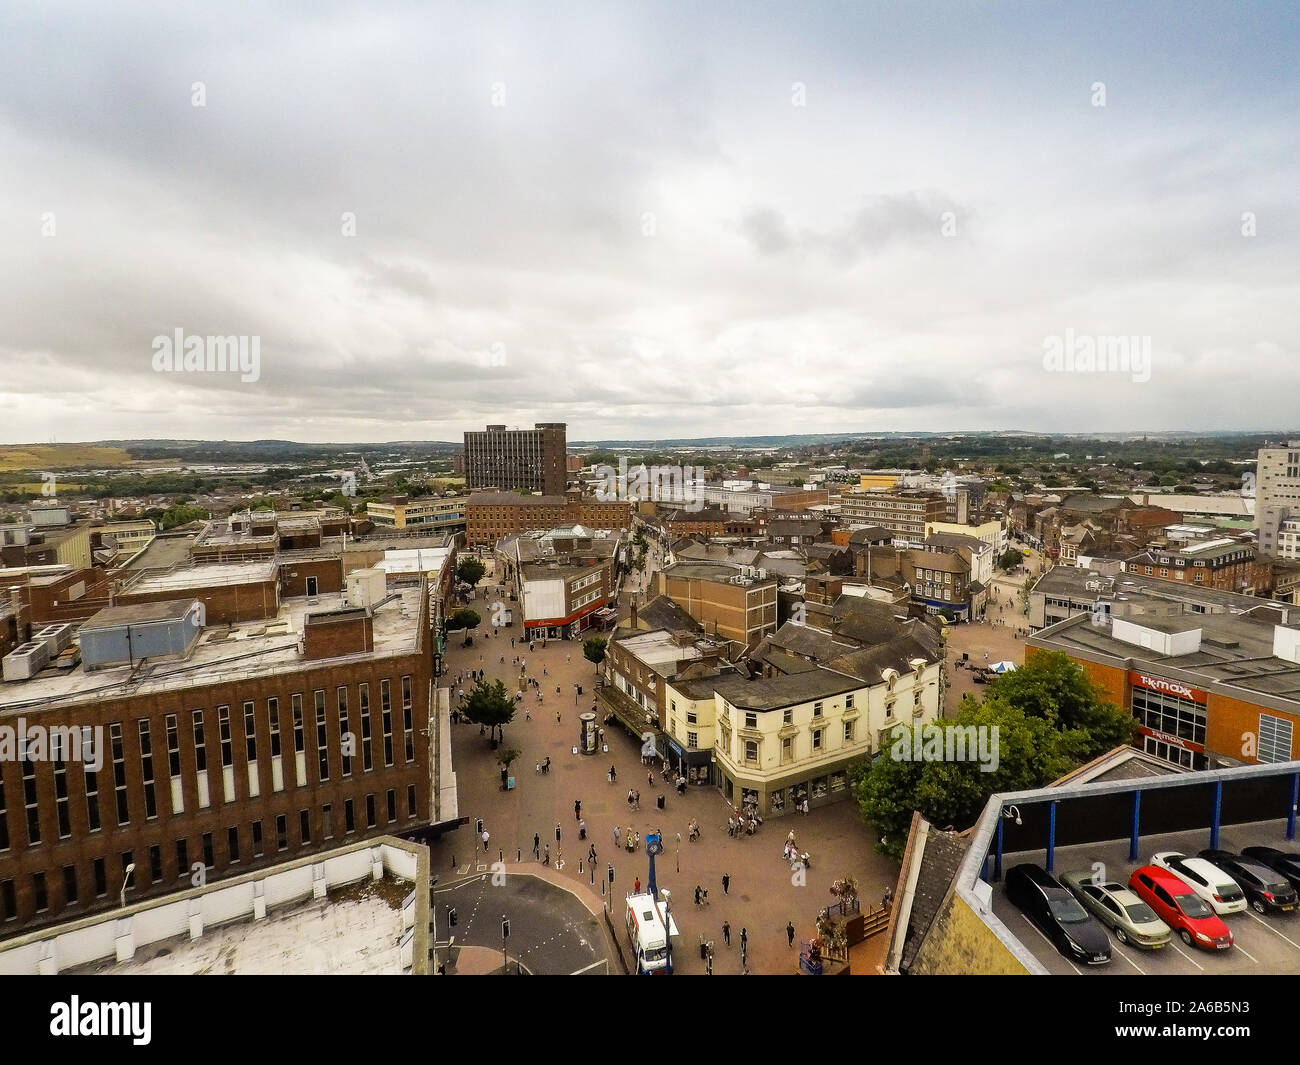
[55,637]
[1185,642]
[366,587]
[1286,643]
[23,663]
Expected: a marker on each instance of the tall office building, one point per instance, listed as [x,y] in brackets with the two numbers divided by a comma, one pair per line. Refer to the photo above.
[513,459]
[1277,492]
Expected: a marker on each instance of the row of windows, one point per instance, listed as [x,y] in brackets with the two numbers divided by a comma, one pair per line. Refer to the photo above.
[235,838]
[346,741]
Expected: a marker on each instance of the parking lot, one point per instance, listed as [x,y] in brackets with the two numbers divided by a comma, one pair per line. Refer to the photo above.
[1262,944]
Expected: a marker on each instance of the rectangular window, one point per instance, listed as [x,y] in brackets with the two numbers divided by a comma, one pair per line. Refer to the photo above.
[273,717]
[232,843]
[70,885]
[183,858]
[392,805]
[61,798]
[349,817]
[299,741]
[257,839]
[408,731]
[370,811]
[410,800]
[817,709]
[101,878]
[1274,739]
[322,737]
[4,819]
[119,773]
[848,731]
[146,771]
[8,901]
[304,826]
[200,746]
[250,731]
[38,889]
[281,832]
[327,821]
[386,717]
[693,740]
[817,739]
[751,720]
[345,740]
[363,698]
[209,858]
[227,747]
[155,864]
[848,701]
[173,746]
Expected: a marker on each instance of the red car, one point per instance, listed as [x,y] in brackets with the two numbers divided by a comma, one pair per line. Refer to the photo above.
[1180,908]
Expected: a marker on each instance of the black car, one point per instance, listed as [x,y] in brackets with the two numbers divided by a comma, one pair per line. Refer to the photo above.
[1268,890]
[1073,931]
[1285,862]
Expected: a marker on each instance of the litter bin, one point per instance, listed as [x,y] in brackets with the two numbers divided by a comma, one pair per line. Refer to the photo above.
[661,802]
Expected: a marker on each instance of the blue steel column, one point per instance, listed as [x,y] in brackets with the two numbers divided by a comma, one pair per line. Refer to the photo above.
[1295,798]
[1137,819]
[1051,836]
[1218,810]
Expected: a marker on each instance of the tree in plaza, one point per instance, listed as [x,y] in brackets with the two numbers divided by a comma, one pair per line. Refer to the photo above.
[507,755]
[464,618]
[1010,559]
[470,570]
[1052,686]
[488,703]
[1030,752]
[593,649]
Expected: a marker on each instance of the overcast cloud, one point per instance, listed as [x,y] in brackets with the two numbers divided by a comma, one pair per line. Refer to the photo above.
[646,219]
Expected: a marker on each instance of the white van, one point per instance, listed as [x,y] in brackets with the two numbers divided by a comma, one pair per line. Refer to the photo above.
[647,932]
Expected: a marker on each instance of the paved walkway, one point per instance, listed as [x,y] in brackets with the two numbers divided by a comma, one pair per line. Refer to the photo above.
[763,894]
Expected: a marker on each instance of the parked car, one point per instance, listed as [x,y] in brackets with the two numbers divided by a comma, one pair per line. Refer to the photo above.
[1119,909]
[1213,885]
[1181,908]
[1054,910]
[1267,891]
[1285,862]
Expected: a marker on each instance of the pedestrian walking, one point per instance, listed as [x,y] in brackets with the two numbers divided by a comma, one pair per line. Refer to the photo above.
[577,809]
[557,713]
[546,858]
[537,845]
[485,840]
[636,888]
[591,854]
[789,932]
[618,835]
[613,774]
[582,829]
[726,883]
[744,940]
[726,932]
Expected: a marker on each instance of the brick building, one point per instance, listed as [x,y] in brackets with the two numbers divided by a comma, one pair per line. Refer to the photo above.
[532,460]
[492,516]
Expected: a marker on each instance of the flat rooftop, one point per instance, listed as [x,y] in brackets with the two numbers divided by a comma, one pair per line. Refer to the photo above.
[223,654]
[354,931]
[1236,652]
[204,576]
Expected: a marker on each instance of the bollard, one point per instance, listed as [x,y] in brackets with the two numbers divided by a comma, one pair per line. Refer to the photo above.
[501,856]
[453,861]
[519,855]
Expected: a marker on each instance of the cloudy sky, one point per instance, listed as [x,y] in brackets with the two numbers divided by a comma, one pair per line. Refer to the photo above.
[647,219]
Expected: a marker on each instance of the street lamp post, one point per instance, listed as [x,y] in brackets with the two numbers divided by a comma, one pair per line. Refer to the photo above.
[125,880]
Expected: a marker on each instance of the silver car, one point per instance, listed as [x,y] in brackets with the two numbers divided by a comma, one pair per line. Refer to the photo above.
[1119,909]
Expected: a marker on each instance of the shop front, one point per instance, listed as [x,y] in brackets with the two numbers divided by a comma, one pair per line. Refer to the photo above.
[1171,719]
[787,795]
[696,766]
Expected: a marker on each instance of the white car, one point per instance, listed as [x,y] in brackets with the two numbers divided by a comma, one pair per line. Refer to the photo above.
[1208,881]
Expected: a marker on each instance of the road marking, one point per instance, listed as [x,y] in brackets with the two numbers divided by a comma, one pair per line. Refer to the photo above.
[1077,970]
[1276,932]
[1245,951]
[1180,951]
[588,968]
[1135,965]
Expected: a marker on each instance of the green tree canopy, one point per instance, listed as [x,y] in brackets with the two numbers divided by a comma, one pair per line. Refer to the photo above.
[488,703]
[464,618]
[470,570]
[593,649]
